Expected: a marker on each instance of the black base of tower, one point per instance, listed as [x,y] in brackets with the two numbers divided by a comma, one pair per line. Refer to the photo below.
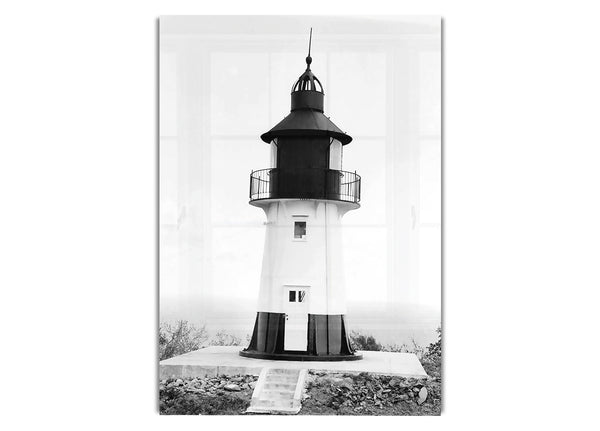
[327,339]
[299,356]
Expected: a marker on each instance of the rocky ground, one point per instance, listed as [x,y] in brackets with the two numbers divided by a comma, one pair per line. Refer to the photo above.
[326,394]
[366,394]
[222,395]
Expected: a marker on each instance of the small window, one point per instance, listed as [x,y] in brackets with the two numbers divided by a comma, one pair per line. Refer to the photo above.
[301,294]
[299,230]
[292,296]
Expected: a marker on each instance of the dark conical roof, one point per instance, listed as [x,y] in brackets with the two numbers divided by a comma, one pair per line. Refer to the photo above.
[306,117]
[306,122]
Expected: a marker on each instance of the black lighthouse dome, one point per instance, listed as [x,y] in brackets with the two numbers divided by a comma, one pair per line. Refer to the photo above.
[306,151]
[306,117]
[307,92]
[308,81]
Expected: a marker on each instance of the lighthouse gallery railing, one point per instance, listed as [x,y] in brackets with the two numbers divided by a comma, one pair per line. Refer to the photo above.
[305,183]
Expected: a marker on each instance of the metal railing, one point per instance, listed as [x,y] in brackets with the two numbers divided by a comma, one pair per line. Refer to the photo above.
[261,184]
[305,183]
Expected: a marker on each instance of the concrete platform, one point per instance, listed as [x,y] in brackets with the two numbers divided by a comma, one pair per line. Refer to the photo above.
[218,360]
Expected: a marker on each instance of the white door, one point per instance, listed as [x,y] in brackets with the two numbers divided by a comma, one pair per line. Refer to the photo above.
[296,318]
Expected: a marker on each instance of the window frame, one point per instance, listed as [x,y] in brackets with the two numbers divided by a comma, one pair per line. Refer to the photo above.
[300,219]
[297,295]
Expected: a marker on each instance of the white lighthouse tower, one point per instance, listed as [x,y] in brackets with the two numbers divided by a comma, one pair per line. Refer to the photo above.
[304,194]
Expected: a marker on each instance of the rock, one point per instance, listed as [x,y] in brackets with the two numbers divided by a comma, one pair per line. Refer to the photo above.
[422,395]
[252,385]
[344,382]
[178,382]
[232,388]
[347,384]
[403,397]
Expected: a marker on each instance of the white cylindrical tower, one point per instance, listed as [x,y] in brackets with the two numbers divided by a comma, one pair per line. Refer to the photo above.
[304,194]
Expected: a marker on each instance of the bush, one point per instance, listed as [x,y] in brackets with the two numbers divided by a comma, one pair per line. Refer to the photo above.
[432,359]
[405,348]
[434,350]
[364,342]
[224,339]
[180,338]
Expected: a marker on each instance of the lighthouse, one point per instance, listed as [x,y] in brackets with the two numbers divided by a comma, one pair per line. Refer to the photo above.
[304,193]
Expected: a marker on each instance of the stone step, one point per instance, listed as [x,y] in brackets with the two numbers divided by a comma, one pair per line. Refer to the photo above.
[280,371]
[282,379]
[276,393]
[274,410]
[273,404]
[280,386]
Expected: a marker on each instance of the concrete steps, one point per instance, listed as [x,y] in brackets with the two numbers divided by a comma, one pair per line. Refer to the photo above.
[278,391]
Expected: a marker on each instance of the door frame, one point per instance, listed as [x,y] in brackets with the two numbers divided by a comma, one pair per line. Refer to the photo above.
[286,289]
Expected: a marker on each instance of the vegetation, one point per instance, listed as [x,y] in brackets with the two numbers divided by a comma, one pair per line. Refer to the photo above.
[364,342]
[183,337]
[180,338]
[369,343]
[224,339]
[432,358]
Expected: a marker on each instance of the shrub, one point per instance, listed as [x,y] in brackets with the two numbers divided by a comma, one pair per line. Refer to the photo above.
[434,350]
[222,338]
[405,348]
[364,342]
[180,338]
[432,359]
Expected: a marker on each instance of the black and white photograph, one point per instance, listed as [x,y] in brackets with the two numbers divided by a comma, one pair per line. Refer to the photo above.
[317,215]
[300,215]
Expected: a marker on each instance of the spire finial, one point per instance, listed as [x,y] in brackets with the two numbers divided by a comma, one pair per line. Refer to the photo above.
[309,58]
